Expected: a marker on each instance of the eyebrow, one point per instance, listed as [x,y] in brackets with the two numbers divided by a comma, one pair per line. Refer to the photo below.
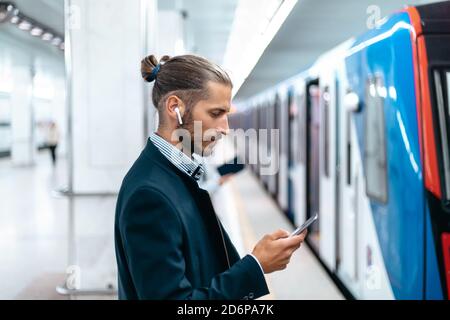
[221,108]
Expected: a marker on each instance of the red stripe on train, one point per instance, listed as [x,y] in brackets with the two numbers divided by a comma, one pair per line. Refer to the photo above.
[423,101]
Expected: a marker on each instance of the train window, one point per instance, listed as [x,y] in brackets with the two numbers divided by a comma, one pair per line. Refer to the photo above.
[375,143]
[447,76]
[348,148]
[301,123]
[326,130]
[275,111]
[442,85]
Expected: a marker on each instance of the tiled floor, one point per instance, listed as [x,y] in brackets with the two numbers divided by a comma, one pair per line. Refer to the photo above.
[34,235]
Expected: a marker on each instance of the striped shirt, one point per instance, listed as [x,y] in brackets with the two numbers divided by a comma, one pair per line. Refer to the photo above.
[190,166]
[193,167]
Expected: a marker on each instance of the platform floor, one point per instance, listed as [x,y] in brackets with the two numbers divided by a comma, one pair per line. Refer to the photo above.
[35,236]
[304,278]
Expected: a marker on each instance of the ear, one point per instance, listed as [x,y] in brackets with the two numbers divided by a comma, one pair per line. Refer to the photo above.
[173,102]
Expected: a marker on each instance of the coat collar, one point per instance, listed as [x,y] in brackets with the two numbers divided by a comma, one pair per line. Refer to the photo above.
[154,155]
[192,166]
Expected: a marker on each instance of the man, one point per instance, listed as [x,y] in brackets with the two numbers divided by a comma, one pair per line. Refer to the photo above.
[169,242]
[52,141]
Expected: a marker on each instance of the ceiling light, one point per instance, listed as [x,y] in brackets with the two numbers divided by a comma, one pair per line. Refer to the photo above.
[47,36]
[56,41]
[25,25]
[6,11]
[14,20]
[9,13]
[36,32]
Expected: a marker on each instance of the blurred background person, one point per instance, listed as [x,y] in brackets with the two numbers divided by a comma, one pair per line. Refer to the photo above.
[53,140]
[211,180]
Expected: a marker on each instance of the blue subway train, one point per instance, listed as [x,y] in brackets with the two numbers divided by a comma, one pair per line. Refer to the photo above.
[364,141]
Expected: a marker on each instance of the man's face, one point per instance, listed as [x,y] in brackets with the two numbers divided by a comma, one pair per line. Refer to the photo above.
[212,113]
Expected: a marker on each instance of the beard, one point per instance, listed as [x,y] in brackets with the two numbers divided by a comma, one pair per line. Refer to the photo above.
[214,137]
[194,139]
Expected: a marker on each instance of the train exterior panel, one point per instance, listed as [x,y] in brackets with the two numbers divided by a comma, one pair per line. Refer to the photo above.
[364,141]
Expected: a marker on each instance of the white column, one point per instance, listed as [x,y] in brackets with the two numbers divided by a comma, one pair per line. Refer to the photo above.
[107,94]
[60,113]
[23,149]
[170,33]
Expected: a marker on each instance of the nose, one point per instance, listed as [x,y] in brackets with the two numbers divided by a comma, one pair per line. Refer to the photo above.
[223,127]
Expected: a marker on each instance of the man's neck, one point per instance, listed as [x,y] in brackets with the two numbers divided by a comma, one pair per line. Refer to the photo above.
[166,134]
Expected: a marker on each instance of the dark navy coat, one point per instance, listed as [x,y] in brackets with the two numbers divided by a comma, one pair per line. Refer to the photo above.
[169,241]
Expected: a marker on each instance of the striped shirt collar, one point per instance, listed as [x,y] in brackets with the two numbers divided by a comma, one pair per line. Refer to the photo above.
[191,166]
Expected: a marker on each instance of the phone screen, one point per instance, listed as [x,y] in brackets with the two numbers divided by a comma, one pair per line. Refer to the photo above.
[305,225]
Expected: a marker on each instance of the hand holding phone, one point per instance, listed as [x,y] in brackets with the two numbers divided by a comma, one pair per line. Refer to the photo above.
[305,225]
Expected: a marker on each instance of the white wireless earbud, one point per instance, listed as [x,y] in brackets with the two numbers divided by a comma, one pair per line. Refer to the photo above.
[180,121]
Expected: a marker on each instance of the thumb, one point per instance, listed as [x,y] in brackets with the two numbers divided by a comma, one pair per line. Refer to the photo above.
[280,233]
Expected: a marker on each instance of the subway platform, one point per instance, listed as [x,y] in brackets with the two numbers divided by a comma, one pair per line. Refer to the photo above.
[39,237]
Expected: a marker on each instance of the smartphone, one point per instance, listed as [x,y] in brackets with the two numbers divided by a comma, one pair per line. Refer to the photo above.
[232,167]
[305,225]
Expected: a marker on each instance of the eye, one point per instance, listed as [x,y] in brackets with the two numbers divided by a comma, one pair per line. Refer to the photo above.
[216,114]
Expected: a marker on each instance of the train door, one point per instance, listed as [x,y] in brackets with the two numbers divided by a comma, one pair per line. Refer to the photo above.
[297,173]
[262,146]
[338,168]
[255,124]
[286,159]
[313,158]
[265,146]
[253,144]
[283,161]
[348,218]
[248,118]
[327,209]
[274,145]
